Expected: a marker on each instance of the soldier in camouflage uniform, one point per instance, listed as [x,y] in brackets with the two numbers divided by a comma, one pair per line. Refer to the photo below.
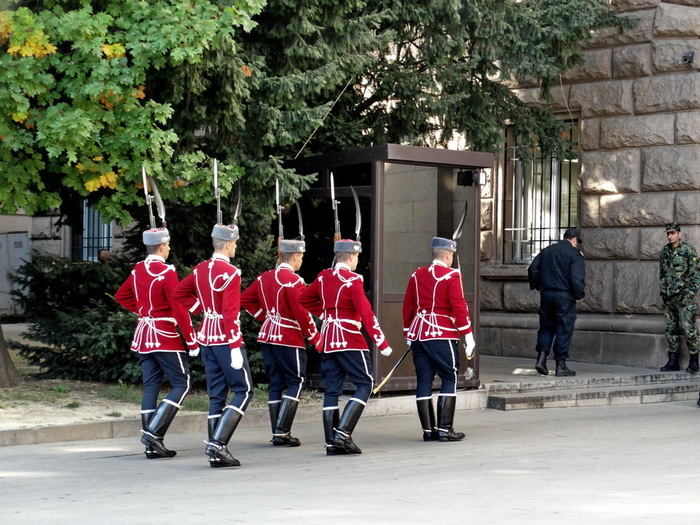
[679,278]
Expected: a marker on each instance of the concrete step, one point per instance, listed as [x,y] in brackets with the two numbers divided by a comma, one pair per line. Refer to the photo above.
[588,396]
[540,383]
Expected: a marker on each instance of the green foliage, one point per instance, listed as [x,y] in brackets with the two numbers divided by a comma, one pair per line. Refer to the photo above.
[75,104]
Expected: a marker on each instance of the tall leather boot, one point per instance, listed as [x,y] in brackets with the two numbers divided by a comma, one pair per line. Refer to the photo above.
[445,415]
[157,427]
[150,453]
[342,438]
[274,410]
[672,365]
[563,370]
[216,448]
[426,414]
[693,366]
[281,435]
[330,421]
[541,364]
[212,423]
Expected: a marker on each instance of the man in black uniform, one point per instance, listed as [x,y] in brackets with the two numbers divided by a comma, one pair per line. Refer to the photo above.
[558,273]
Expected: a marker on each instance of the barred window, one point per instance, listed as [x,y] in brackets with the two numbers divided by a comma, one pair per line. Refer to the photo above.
[541,201]
[96,235]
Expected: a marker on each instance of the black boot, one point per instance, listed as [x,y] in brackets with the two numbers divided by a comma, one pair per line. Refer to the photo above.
[673,365]
[274,410]
[150,453]
[541,364]
[426,414]
[445,416]
[156,428]
[216,448]
[693,366]
[563,370]
[212,423]
[330,421]
[281,435]
[342,438]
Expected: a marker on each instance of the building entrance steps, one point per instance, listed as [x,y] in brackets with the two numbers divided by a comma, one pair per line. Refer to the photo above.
[513,384]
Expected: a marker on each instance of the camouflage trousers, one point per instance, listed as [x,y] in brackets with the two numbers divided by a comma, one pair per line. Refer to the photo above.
[680,321]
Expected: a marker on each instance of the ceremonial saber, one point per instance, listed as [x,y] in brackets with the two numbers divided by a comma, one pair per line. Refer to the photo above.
[398,363]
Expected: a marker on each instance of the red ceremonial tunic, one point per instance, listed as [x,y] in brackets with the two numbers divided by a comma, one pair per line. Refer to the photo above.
[148,292]
[214,288]
[434,305]
[273,298]
[338,297]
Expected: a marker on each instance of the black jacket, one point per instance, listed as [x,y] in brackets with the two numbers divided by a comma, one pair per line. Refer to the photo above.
[559,267]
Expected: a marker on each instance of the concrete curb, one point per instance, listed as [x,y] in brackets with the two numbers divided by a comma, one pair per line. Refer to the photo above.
[186,423]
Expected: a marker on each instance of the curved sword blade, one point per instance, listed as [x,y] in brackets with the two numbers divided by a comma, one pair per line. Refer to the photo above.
[160,207]
[301,222]
[217,192]
[458,232]
[358,215]
[239,205]
[148,198]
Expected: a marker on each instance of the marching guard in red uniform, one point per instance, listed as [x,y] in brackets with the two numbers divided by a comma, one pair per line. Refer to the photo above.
[435,315]
[148,293]
[337,296]
[214,289]
[273,299]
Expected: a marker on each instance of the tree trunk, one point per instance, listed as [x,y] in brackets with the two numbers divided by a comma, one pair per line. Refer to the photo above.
[8,373]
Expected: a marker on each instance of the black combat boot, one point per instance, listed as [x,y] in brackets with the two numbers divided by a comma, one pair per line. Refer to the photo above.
[693,366]
[445,417]
[155,430]
[541,364]
[563,370]
[330,421]
[426,414]
[673,365]
[216,448]
[342,438]
[281,435]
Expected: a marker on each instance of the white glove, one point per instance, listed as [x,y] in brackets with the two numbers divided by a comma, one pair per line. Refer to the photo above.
[194,353]
[408,342]
[236,359]
[469,345]
[386,352]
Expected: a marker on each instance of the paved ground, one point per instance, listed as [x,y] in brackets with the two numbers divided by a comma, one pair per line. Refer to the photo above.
[626,464]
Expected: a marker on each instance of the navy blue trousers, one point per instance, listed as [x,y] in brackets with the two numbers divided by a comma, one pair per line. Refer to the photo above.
[221,376]
[356,366]
[557,318]
[436,356]
[157,365]
[286,368]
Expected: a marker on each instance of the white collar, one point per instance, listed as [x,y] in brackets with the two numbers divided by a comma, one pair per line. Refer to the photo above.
[340,265]
[154,257]
[221,256]
[435,261]
[284,265]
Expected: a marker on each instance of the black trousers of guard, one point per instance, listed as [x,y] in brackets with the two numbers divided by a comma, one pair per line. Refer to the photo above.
[557,318]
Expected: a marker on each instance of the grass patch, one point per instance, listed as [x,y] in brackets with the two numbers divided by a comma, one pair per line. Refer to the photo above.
[114,413]
[72,404]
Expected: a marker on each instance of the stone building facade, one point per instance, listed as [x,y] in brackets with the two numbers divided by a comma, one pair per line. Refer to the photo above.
[636,102]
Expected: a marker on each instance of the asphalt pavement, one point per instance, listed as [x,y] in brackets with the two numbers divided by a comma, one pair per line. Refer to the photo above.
[633,464]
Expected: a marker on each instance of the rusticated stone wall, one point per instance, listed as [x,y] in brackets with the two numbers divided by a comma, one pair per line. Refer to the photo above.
[638,104]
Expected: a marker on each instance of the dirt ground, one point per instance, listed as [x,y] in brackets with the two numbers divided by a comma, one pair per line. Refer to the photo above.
[36,403]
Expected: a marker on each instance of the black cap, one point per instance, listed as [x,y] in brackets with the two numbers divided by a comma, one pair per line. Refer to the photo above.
[570,233]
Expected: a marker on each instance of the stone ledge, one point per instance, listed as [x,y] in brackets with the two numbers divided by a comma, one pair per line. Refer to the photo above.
[628,323]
